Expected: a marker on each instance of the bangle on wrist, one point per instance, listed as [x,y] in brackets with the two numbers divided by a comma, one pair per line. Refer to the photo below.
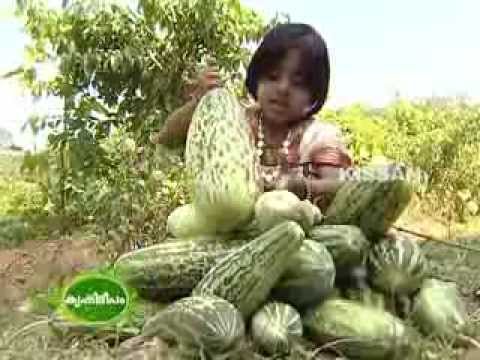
[298,185]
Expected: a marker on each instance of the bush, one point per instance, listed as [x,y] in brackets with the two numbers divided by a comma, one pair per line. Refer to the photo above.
[129,204]
[21,197]
[440,137]
[13,231]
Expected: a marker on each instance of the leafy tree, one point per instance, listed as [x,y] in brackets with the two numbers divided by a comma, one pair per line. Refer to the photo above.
[126,68]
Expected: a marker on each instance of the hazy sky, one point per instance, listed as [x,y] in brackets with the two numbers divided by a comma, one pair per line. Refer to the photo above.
[377,47]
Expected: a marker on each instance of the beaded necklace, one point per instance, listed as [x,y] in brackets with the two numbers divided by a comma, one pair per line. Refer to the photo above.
[269,173]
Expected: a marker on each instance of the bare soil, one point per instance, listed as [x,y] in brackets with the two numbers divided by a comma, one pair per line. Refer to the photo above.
[36,264]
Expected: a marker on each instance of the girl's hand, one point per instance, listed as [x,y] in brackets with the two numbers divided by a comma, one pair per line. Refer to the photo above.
[322,186]
[207,80]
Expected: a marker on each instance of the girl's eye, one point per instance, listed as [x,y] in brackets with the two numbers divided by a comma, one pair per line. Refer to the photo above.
[298,80]
[273,76]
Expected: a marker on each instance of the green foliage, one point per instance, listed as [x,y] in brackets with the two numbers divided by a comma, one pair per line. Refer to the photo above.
[118,72]
[13,231]
[9,164]
[22,202]
[132,199]
[21,198]
[363,128]
[436,138]
[442,138]
[119,66]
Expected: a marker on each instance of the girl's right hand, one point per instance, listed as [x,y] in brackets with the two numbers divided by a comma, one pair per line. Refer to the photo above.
[207,80]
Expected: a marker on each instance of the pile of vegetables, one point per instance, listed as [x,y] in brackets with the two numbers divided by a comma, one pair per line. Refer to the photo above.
[328,285]
[244,267]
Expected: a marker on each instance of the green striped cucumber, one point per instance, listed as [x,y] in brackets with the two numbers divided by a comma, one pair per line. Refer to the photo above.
[346,243]
[309,278]
[205,324]
[372,205]
[171,269]
[351,200]
[386,206]
[246,276]
[439,310]
[221,162]
[360,331]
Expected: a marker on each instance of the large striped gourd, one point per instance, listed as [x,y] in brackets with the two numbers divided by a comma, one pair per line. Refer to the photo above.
[350,201]
[171,269]
[246,276]
[397,266]
[199,324]
[359,331]
[220,160]
[309,278]
[346,243]
[276,327]
[372,205]
[386,206]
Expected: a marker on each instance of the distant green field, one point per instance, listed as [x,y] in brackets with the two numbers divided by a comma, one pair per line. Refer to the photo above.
[10,162]
[17,199]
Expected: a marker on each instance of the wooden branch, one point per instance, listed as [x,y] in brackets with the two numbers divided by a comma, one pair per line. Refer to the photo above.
[434,239]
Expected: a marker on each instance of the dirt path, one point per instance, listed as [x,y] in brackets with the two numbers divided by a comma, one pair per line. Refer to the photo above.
[37,263]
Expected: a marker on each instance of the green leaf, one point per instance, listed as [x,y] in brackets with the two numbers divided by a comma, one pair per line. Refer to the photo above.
[15,72]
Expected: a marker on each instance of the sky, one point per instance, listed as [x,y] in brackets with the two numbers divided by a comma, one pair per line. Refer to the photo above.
[377,48]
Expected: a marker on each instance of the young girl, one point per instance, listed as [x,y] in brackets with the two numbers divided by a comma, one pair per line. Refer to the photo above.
[288,78]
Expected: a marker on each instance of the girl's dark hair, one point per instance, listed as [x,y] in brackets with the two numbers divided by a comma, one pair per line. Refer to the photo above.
[314,59]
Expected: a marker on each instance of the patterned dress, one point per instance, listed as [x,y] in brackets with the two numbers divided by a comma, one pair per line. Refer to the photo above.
[315,146]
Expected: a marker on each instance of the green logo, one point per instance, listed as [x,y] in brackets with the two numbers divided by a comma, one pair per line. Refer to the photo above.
[98,299]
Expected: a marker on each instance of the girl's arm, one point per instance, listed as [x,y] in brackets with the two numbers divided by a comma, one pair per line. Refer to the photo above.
[174,131]
[302,187]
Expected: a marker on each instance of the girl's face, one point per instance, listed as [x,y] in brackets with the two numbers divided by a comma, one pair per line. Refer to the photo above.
[282,92]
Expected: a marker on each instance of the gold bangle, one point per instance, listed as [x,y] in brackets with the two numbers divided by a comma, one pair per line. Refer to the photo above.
[296,185]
